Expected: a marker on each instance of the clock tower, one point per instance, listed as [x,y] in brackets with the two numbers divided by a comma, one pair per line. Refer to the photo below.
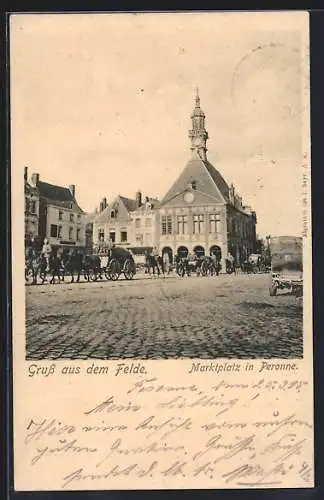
[198,134]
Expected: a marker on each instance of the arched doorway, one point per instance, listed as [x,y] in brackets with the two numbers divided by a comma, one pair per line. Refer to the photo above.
[199,251]
[168,251]
[216,250]
[183,252]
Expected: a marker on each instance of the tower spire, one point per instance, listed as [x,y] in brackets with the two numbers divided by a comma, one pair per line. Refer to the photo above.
[198,134]
[197,97]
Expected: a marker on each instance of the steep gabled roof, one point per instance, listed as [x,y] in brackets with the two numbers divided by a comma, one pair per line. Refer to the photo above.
[208,180]
[104,216]
[59,195]
[218,180]
[129,203]
[55,193]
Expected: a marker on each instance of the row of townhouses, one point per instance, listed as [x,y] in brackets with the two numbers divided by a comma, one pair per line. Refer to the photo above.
[200,213]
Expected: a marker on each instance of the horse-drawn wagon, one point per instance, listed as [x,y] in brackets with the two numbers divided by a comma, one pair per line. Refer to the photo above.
[120,261]
[286,265]
[115,262]
[204,266]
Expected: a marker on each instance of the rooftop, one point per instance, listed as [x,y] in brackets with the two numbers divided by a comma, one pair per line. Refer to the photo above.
[59,194]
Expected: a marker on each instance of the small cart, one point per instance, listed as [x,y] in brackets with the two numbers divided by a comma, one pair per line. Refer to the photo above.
[286,265]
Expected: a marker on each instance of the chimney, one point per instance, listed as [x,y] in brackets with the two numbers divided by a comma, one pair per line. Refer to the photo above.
[101,207]
[104,203]
[138,199]
[72,189]
[35,179]
[26,174]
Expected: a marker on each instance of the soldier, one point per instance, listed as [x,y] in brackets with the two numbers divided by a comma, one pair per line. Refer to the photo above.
[46,251]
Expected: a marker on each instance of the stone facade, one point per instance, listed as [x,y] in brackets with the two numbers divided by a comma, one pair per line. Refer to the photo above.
[126,222]
[200,213]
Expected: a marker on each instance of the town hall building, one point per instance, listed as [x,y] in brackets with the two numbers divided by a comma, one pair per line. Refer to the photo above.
[201,213]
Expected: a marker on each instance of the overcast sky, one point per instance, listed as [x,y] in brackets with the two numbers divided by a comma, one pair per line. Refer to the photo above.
[104,102]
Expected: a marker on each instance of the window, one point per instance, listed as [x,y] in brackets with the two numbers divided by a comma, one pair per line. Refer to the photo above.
[139,238]
[198,224]
[33,207]
[112,236]
[101,235]
[137,223]
[53,231]
[166,224]
[26,204]
[214,223]
[123,236]
[60,215]
[78,234]
[71,217]
[70,233]
[59,233]
[112,214]
[79,217]
[148,222]
[182,224]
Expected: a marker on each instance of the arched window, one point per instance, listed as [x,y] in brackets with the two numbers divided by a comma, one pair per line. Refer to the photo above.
[182,252]
[216,250]
[199,251]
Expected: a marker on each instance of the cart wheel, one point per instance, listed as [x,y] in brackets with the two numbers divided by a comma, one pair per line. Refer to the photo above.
[129,270]
[114,270]
[273,289]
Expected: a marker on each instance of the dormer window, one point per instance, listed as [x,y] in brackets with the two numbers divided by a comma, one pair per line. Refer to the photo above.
[112,214]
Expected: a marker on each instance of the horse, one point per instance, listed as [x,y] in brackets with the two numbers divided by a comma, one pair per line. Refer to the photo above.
[74,264]
[154,262]
[55,268]
[36,264]
[92,265]
[210,266]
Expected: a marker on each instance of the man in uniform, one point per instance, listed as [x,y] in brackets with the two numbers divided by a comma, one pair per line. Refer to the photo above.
[46,251]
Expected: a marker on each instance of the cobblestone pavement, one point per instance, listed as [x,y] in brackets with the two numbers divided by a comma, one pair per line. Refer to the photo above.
[224,316]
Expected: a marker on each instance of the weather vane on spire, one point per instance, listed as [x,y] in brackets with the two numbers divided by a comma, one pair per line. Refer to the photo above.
[197,96]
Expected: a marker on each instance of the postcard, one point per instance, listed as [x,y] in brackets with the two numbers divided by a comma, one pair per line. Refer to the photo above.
[161,251]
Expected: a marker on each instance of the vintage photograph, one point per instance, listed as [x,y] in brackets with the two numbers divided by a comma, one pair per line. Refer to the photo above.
[163,183]
[161,251]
